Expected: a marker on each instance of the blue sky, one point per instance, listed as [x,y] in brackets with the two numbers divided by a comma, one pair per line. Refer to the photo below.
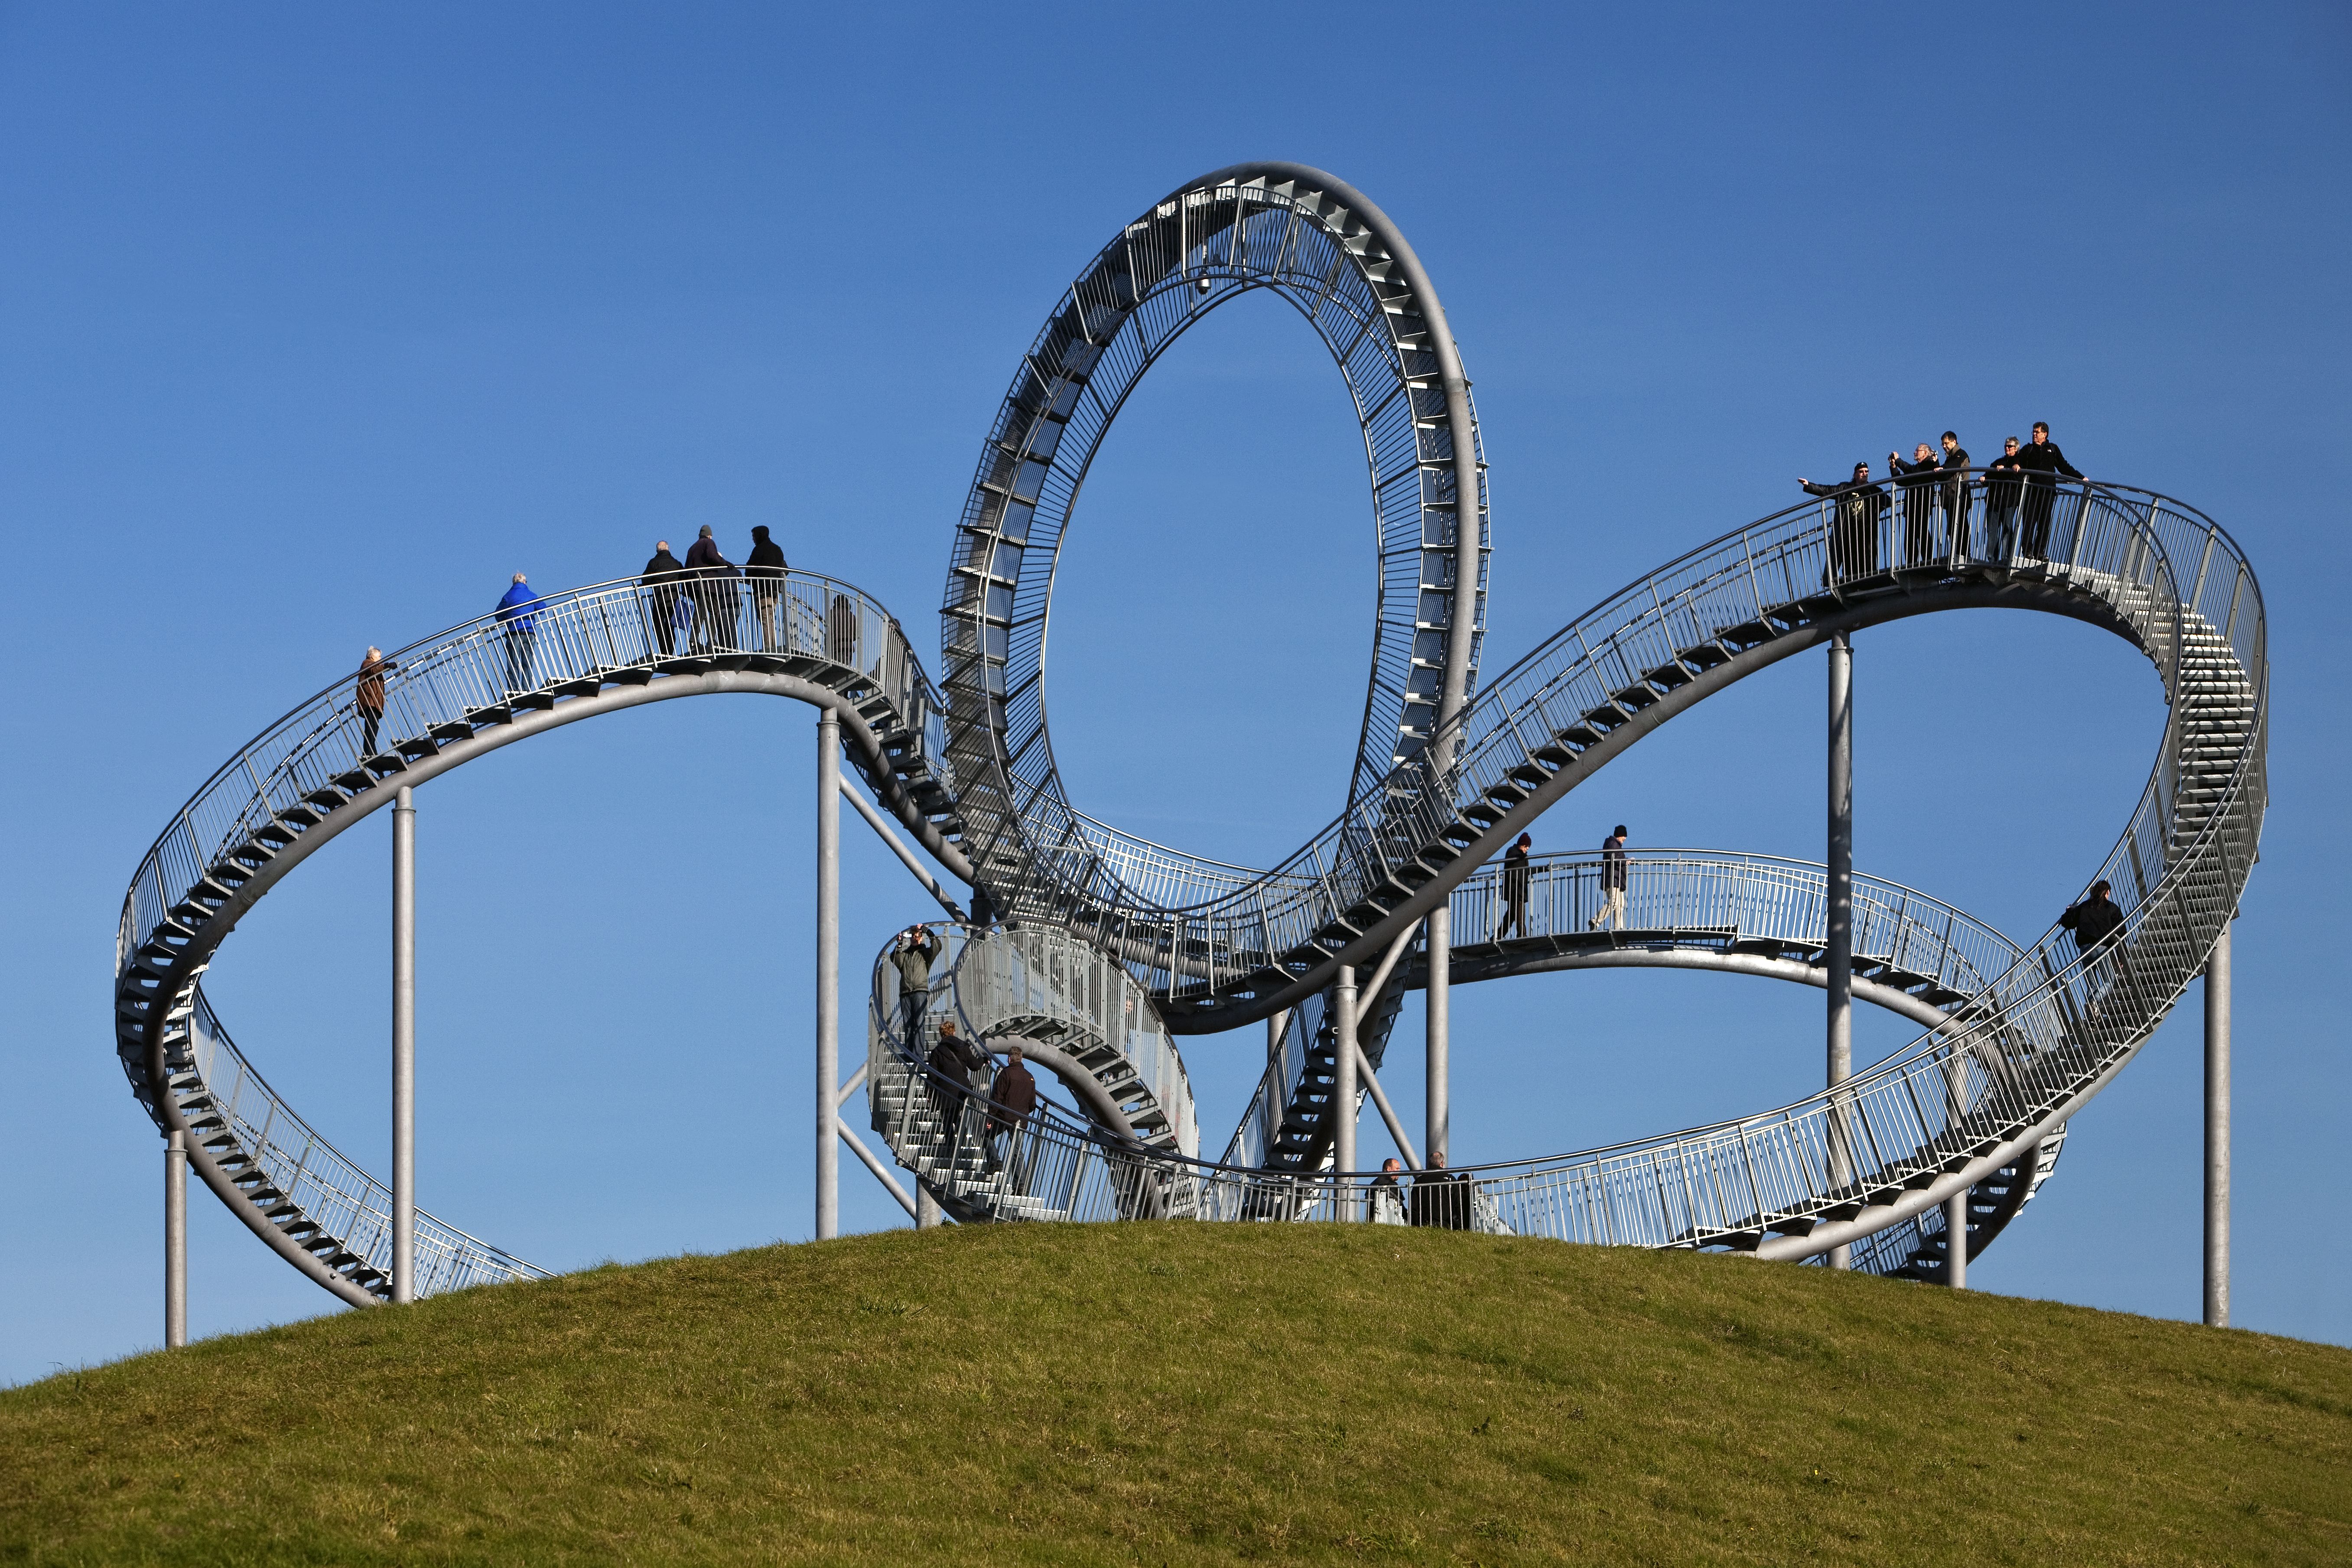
[316,326]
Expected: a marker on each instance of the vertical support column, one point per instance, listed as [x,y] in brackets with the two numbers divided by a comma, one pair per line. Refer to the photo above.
[828,974]
[1841,911]
[1438,999]
[176,1241]
[1270,1113]
[403,1045]
[927,1207]
[2216,1135]
[1343,1090]
[1955,1240]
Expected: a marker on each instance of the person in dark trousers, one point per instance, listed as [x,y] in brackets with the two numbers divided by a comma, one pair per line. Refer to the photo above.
[1916,483]
[1613,881]
[1012,1100]
[2004,479]
[715,602]
[912,955]
[1952,498]
[519,612]
[840,630]
[2094,922]
[2045,465]
[368,697]
[766,569]
[1518,882]
[955,1060]
[664,575]
[1440,1197]
[1854,525]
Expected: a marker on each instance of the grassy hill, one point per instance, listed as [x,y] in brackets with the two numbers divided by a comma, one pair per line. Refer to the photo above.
[1195,1394]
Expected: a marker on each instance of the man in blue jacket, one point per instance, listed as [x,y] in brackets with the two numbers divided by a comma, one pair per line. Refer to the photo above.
[520,611]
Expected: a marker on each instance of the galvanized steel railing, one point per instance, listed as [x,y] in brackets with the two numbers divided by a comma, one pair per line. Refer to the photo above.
[302,1168]
[338,744]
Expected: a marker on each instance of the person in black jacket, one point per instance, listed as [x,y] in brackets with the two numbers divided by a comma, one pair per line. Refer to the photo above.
[2004,479]
[2094,922]
[1517,884]
[765,568]
[1613,882]
[714,594]
[955,1060]
[661,580]
[1916,482]
[2043,463]
[1853,529]
[1952,499]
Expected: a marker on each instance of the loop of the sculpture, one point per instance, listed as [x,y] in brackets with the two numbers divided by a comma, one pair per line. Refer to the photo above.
[1323,248]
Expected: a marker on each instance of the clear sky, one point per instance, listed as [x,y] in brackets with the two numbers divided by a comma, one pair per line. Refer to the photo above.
[316,324]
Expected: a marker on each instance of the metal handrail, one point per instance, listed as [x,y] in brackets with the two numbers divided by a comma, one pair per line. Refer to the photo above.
[2031,1044]
[326,751]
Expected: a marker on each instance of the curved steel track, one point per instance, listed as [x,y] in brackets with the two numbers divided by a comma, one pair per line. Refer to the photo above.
[1119,945]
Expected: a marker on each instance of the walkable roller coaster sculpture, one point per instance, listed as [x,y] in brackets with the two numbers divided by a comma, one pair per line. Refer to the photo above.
[1101,948]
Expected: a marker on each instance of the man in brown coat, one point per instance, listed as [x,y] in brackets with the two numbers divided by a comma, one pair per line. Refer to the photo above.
[1012,1100]
[369,697]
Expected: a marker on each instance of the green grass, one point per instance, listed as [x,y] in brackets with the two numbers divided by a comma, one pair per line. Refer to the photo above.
[1195,1394]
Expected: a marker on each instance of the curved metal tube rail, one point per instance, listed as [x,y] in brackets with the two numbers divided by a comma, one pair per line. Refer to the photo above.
[1322,247]
[448,698]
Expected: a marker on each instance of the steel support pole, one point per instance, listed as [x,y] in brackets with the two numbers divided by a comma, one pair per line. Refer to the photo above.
[1437,1002]
[1343,1089]
[403,1045]
[927,1208]
[1270,1112]
[828,974]
[1839,957]
[1955,1240]
[2216,1135]
[176,1241]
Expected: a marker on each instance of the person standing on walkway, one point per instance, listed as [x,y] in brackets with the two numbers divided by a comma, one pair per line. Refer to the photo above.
[1387,1204]
[662,577]
[519,610]
[765,568]
[1854,525]
[2004,477]
[2043,463]
[1613,882]
[1952,499]
[1517,884]
[1916,481]
[368,698]
[714,594]
[1012,1100]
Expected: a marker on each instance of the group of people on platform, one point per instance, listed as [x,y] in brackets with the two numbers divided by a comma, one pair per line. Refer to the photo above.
[1932,491]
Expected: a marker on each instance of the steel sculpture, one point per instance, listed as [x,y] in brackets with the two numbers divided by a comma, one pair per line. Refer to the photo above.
[1116,946]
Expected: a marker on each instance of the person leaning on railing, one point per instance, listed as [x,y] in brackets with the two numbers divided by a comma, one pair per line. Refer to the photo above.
[1388,1199]
[765,567]
[1441,1198]
[1854,528]
[1952,498]
[2004,480]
